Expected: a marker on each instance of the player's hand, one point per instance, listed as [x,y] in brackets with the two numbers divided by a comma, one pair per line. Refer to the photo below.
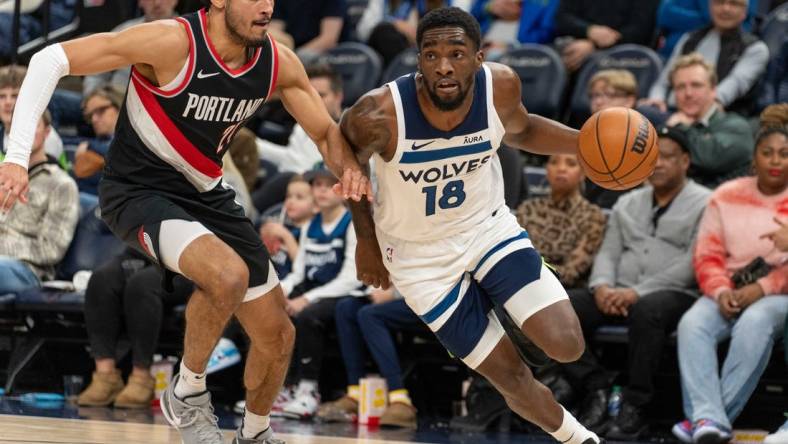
[369,264]
[296,305]
[728,305]
[13,185]
[354,184]
[778,236]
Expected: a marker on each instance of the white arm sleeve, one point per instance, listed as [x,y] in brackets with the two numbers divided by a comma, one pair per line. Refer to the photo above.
[46,68]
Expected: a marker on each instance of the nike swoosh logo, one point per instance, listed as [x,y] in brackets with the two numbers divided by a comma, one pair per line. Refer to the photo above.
[418,147]
[200,75]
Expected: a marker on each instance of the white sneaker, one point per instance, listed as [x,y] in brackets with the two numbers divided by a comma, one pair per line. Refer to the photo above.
[778,437]
[282,399]
[304,406]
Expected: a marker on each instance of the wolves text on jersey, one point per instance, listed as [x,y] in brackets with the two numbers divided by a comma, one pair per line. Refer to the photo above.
[445,171]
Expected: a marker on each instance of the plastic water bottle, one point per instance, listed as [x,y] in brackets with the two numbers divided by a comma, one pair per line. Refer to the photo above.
[614,402]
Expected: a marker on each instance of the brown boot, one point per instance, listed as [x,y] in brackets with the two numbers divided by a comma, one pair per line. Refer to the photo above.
[102,389]
[344,409]
[138,393]
[399,414]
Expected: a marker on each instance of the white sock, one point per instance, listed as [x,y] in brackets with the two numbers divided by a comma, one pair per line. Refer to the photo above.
[189,383]
[572,432]
[254,424]
[307,385]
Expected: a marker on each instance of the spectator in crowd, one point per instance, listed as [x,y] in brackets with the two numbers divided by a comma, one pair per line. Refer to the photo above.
[126,295]
[775,115]
[281,235]
[565,227]
[324,271]
[300,154]
[588,25]
[11,77]
[507,22]
[643,276]
[606,89]
[740,59]
[745,282]
[775,82]
[35,236]
[677,17]
[101,109]
[314,26]
[119,79]
[720,142]
[368,323]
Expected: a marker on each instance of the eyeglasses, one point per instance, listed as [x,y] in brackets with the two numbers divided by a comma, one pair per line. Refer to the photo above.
[88,115]
[737,3]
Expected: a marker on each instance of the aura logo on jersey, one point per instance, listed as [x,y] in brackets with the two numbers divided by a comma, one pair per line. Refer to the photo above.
[220,109]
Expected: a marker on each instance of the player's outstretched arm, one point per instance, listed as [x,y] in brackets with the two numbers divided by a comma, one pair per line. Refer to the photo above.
[306,106]
[368,128]
[154,47]
[524,131]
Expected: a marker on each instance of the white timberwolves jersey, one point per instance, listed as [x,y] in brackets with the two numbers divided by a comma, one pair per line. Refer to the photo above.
[440,183]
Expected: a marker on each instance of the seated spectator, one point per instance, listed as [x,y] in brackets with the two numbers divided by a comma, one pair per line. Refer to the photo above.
[745,283]
[677,17]
[606,89]
[101,109]
[642,276]
[389,26]
[301,153]
[34,236]
[588,25]
[507,22]
[125,298]
[740,59]
[11,78]
[313,26]
[720,143]
[281,235]
[565,227]
[119,79]
[324,271]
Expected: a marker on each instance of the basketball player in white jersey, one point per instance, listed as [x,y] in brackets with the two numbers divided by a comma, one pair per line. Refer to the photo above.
[441,228]
[195,81]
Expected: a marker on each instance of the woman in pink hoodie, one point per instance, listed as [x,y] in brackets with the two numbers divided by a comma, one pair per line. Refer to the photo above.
[751,309]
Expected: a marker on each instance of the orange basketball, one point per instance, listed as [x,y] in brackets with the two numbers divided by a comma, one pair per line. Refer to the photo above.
[618,148]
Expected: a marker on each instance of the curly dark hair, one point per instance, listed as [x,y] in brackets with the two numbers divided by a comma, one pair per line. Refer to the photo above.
[449,17]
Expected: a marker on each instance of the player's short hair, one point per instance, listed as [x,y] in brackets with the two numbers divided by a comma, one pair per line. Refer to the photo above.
[11,76]
[108,92]
[619,79]
[325,70]
[694,59]
[449,17]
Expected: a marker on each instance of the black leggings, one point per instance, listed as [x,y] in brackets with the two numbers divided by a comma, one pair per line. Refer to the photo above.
[127,291]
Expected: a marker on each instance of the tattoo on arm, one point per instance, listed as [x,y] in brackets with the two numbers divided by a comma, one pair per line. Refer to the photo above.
[366,129]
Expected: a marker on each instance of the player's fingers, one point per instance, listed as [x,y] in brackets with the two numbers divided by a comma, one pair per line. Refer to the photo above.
[370,197]
[356,185]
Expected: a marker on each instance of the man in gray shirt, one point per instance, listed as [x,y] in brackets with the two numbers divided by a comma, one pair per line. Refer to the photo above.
[739,57]
[642,276]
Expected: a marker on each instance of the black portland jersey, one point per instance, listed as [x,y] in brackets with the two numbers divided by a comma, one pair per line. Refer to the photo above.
[173,137]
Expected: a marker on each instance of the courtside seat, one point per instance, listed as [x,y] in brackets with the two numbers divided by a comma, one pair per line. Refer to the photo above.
[405,63]
[542,75]
[641,61]
[359,65]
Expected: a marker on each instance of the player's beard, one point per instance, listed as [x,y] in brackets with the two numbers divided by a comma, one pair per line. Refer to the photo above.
[234,22]
[452,104]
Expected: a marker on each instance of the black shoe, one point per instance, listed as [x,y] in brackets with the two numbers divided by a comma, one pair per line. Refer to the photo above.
[593,413]
[629,424]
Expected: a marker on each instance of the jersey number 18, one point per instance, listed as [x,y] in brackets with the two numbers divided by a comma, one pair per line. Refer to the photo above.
[452,196]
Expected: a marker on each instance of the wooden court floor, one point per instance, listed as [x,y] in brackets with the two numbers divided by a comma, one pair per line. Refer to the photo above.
[32,429]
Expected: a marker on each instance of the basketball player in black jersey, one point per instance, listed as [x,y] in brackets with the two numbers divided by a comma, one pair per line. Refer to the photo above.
[195,81]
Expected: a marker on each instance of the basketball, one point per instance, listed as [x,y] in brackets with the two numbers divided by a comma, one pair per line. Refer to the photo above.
[618,148]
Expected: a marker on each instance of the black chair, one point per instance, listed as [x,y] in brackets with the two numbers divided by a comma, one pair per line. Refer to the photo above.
[542,75]
[359,65]
[641,61]
[775,28]
[405,63]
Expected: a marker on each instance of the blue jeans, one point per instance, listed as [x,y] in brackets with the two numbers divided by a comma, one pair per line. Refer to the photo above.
[721,397]
[360,323]
[15,276]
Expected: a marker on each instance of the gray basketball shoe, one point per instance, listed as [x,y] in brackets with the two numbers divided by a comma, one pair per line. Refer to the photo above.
[192,416]
[264,437]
